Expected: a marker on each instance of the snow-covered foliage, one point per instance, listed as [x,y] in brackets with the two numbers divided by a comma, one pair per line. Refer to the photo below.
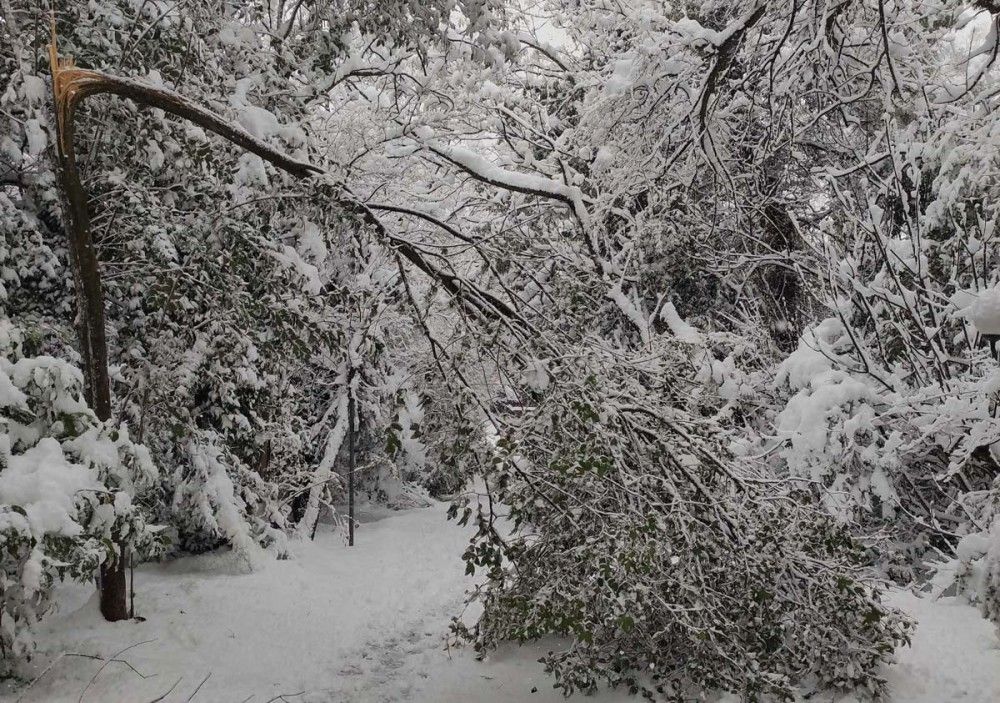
[235,298]
[74,492]
[669,564]
[704,293]
[977,567]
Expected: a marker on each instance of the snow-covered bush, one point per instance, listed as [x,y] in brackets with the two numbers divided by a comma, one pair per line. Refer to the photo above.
[889,404]
[437,440]
[219,501]
[831,428]
[906,463]
[73,490]
[975,571]
[668,564]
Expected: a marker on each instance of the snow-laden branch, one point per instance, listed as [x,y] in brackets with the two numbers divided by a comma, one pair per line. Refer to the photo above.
[72,85]
[482,170]
[324,472]
[728,42]
[476,300]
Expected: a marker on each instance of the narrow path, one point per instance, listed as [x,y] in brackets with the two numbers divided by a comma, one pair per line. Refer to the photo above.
[292,626]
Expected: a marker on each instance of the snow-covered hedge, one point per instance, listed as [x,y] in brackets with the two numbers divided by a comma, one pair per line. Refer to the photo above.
[975,572]
[71,489]
[218,500]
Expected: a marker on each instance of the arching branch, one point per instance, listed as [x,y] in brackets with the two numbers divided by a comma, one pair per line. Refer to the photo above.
[72,85]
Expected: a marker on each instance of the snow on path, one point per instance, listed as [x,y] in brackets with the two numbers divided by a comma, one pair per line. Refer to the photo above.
[955,657]
[366,625]
[333,624]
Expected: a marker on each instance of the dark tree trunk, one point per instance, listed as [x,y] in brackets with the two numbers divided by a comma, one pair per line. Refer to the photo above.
[86,276]
[783,285]
[114,593]
[299,503]
[89,317]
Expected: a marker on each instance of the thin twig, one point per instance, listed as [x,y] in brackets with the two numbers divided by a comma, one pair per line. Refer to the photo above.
[113,657]
[36,679]
[281,696]
[195,691]
[167,692]
[116,661]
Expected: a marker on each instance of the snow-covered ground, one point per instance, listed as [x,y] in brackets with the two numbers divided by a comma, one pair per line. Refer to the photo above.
[367,624]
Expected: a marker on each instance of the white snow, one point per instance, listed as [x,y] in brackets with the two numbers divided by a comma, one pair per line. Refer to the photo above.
[237,35]
[973,546]
[311,242]
[250,172]
[955,655]
[985,312]
[697,35]
[36,137]
[34,89]
[50,374]
[620,79]
[478,165]
[811,358]
[365,625]
[805,420]
[10,395]
[259,122]
[536,375]
[44,484]
[220,504]
[311,282]
[155,154]
[332,624]
[681,329]
[630,310]
[604,158]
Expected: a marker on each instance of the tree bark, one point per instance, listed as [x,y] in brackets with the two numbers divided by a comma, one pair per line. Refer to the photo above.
[114,591]
[86,273]
[350,467]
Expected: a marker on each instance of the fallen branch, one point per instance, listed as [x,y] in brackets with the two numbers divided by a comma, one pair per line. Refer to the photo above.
[167,692]
[114,657]
[198,687]
[281,696]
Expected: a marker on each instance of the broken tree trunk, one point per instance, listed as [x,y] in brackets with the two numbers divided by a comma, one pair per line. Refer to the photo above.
[72,85]
[90,311]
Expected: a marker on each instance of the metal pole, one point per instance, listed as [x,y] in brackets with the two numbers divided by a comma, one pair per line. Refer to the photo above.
[131,570]
[350,468]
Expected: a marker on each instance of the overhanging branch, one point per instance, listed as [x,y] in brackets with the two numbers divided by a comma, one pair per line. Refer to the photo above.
[72,85]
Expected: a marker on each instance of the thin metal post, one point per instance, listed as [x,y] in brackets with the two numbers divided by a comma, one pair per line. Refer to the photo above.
[131,570]
[350,468]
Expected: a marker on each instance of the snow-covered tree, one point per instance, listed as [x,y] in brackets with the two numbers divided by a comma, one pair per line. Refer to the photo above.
[75,493]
